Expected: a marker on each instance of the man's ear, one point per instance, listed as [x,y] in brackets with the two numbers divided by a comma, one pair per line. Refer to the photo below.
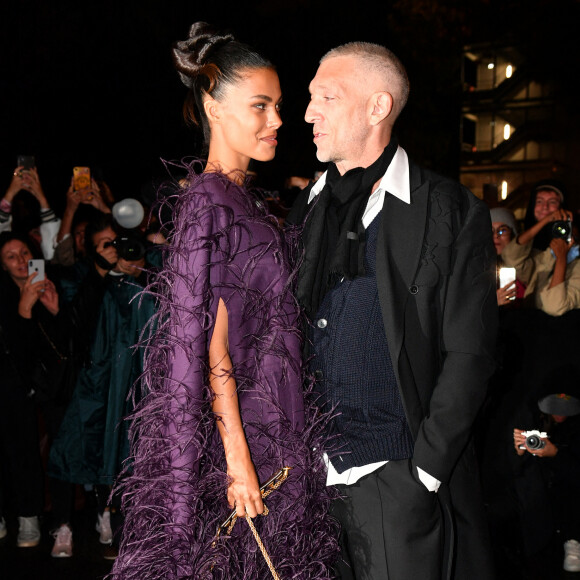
[212,110]
[381,105]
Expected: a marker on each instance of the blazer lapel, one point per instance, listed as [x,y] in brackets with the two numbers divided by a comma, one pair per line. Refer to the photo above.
[398,253]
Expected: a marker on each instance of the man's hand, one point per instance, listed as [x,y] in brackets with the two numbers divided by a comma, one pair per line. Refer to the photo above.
[560,248]
[131,268]
[107,251]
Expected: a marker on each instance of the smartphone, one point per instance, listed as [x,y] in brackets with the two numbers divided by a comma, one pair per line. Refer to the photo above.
[36,267]
[506,276]
[81,178]
[26,161]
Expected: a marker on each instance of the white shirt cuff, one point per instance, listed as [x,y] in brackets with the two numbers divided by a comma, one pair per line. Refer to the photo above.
[428,481]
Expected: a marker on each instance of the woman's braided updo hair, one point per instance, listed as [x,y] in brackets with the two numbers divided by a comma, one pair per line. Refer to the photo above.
[207,62]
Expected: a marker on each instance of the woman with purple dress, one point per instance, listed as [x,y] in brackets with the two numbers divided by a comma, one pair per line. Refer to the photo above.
[226,406]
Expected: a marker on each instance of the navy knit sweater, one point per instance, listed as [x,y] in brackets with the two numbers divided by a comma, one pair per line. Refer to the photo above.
[353,364]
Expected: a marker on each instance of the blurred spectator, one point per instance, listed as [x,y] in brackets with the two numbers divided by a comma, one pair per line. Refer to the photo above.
[547,196]
[552,275]
[504,229]
[548,470]
[69,241]
[34,358]
[93,442]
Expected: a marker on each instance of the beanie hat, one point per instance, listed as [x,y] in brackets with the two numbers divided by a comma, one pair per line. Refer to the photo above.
[504,216]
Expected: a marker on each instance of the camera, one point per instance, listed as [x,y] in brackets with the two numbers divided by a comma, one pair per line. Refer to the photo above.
[562,229]
[128,248]
[534,439]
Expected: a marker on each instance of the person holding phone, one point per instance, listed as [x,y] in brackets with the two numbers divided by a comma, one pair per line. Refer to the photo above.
[81,206]
[226,408]
[504,229]
[33,337]
[43,234]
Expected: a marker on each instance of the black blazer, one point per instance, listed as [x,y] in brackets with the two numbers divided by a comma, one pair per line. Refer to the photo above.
[436,280]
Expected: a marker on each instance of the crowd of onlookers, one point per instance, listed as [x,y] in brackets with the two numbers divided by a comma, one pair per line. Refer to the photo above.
[69,322]
[529,431]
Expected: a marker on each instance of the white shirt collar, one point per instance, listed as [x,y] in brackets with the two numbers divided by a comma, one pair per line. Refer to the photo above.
[395,181]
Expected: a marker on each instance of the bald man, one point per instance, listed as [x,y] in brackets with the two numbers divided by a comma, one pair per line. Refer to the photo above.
[398,278]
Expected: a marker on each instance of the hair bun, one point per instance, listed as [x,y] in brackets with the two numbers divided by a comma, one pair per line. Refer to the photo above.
[190,55]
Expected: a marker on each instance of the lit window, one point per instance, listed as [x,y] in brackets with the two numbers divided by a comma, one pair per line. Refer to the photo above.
[506,131]
[504,189]
[490,65]
[509,71]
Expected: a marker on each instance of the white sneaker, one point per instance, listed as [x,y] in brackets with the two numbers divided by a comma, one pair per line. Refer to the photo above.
[572,556]
[3,530]
[62,542]
[104,527]
[28,532]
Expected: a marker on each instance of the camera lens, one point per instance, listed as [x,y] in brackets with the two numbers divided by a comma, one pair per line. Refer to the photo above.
[561,229]
[534,442]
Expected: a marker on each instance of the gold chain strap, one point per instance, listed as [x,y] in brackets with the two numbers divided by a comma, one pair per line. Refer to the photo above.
[271,485]
[262,547]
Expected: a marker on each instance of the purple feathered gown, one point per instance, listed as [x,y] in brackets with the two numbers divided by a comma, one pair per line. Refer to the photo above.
[224,246]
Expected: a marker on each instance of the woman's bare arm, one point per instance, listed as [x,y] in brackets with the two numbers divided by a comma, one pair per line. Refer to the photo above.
[244,491]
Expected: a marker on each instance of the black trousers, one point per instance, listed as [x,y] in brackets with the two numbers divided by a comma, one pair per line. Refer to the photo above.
[20,463]
[392,526]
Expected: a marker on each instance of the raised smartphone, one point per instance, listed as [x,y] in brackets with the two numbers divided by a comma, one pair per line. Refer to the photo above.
[81,178]
[26,161]
[507,275]
[36,267]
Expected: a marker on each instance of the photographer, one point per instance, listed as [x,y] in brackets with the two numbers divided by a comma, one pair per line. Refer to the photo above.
[552,276]
[548,470]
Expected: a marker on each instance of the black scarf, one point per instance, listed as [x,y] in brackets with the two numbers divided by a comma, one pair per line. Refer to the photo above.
[334,236]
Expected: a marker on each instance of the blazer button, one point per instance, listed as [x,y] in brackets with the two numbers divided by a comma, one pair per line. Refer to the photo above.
[321,323]
[318,375]
[414,289]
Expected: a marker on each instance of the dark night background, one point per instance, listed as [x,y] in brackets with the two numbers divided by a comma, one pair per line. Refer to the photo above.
[85,83]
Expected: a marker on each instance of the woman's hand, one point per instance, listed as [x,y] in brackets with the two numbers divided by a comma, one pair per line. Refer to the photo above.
[506,294]
[29,295]
[92,196]
[32,184]
[244,490]
[16,184]
[49,298]
[73,198]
